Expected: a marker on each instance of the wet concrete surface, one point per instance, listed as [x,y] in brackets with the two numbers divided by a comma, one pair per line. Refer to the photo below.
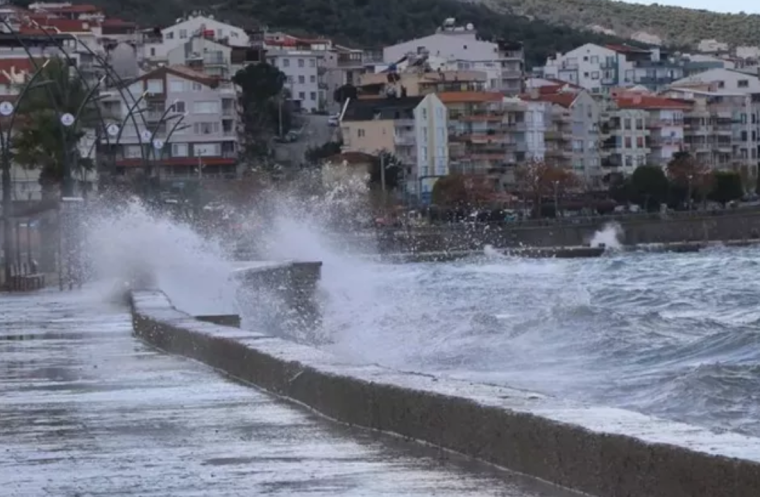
[87,409]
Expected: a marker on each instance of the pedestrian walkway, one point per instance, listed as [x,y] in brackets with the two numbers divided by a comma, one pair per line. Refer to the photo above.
[86,409]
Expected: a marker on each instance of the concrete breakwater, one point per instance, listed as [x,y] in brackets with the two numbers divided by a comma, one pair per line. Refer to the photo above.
[737,225]
[600,451]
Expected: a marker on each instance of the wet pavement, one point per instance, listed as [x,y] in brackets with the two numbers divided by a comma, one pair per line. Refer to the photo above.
[86,409]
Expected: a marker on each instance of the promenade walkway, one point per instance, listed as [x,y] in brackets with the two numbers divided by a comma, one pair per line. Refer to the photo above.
[86,409]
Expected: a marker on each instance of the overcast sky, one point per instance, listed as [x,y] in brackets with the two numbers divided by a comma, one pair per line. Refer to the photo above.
[748,6]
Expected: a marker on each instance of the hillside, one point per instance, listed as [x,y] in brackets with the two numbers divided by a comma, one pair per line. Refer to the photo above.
[365,23]
[675,25]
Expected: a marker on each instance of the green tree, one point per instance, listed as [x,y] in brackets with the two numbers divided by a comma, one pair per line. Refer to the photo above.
[393,171]
[649,186]
[43,143]
[314,155]
[266,111]
[727,186]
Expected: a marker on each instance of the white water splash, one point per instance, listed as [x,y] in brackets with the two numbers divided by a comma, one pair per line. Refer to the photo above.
[193,271]
[609,237]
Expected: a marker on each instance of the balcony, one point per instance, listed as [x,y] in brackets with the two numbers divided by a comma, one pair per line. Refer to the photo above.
[505,74]
[404,123]
[557,135]
[665,141]
[405,139]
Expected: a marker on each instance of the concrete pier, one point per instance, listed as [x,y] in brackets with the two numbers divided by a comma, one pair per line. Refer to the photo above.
[88,409]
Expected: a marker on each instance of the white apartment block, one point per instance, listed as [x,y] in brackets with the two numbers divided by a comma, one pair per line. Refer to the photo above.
[156,48]
[721,128]
[503,62]
[729,80]
[537,120]
[596,68]
[626,143]
[187,126]
[301,67]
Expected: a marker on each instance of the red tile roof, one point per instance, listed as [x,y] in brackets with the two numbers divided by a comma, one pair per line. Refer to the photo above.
[59,25]
[455,97]
[20,65]
[562,99]
[650,102]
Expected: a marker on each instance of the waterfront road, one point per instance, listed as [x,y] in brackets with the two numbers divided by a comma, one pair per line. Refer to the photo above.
[86,410]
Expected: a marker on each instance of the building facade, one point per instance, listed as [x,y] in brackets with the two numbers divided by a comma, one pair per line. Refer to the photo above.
[192,118]
[413,129]
[503,62]
[302,71]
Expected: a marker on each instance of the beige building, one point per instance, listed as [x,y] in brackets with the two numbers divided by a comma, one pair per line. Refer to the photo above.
[414,129]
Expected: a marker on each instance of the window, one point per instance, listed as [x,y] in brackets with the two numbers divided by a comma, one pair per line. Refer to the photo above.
[301,95]
[285,62]
[152,52]
[176,86]
[639,124]
[424,113]
[205,128]
[742,83]
[594,59]
[169,35]
[197,86]
[360,133]
[132,151]
[312,79]
[641,160]
[301,80]
[629,161]
[627,123]
[209,107]
[155,86]
[639,142]
[628,142]
[595,75]
[179,149]
[179,106]
[300,63]
[182,34]
[312,62]
[313,96]
[207,149]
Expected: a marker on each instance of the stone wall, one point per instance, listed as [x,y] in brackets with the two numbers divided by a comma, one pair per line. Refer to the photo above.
[600,451]
[734,226]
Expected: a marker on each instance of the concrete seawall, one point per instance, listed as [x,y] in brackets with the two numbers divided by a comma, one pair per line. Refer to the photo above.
[600,451]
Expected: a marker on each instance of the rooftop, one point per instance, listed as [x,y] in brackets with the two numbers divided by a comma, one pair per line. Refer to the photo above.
[381,109]
[650,102]
[469,97]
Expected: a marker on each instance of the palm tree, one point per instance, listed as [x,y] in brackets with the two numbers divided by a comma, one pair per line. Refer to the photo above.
[43,143]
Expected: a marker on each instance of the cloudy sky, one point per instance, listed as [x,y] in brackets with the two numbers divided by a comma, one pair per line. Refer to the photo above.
[748,6]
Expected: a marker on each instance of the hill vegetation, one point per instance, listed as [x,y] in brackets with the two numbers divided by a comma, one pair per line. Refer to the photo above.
[366,23]
[675,25]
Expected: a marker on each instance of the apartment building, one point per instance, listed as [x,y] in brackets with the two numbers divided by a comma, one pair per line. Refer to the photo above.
[664,120]
[192,118]
[203,55]
[486,132]
[158,43]
[625,134]
[721,128]
[302,72]
[414,129]
[601,69]
[722,79]
[503,62]
[572,130]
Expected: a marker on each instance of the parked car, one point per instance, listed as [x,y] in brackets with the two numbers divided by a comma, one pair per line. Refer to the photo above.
[333,120]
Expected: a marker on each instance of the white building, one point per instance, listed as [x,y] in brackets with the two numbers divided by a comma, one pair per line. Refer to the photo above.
[157,48]
[301,67]
[593,67]
[430,122]
[537,116]
[503,62]
[728,80]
